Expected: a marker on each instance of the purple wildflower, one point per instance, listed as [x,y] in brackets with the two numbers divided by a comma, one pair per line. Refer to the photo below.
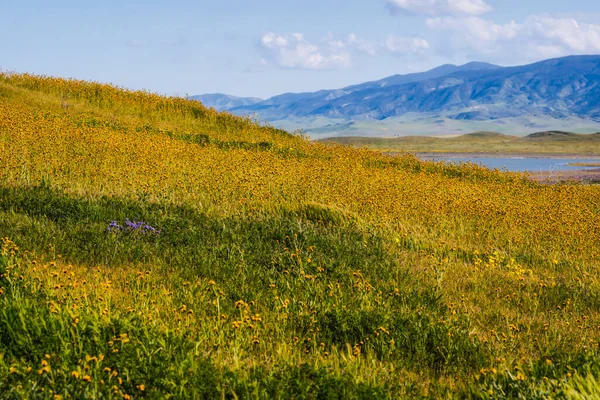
[133,226]
[113,226]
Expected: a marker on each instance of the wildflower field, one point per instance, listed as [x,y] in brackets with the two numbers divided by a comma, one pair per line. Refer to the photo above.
[153,248]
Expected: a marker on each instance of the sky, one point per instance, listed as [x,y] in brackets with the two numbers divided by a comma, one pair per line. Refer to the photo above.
[263,48]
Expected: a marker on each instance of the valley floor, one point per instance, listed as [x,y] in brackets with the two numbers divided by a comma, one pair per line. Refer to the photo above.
[543,144]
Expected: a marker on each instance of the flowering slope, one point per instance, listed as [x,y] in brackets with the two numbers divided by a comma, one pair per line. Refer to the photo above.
[269,266]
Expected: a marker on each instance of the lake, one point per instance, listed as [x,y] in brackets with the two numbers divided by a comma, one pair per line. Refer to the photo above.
[520,164]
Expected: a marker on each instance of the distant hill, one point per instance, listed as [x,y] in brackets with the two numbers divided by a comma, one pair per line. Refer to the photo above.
[494,144]
[221,102]
[552,135]
[562,93]
[485,135]
[561,135]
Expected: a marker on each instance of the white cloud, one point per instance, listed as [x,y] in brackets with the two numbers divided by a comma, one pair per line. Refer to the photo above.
[537,37]
[438,7]
[475,33]
[566,33]
[272,41]
[361,45]
[295,51]
[396,44]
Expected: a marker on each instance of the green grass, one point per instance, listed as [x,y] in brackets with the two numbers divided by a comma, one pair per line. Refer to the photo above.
[284,268]
[248,253]
[584,164]
[427,340]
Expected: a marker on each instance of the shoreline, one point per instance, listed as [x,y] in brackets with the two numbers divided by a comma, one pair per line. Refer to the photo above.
[584,176]
[568,156]
[589,175]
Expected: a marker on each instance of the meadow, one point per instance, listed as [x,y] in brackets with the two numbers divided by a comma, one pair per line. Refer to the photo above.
[153,248]
[541,143]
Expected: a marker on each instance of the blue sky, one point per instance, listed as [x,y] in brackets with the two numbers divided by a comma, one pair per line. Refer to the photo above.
[267,47]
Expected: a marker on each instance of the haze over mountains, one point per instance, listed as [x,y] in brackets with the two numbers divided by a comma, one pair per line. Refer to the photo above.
[555,94]
[220,101]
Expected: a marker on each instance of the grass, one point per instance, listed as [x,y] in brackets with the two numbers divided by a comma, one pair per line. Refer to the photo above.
[583,164]
[283,268]
[543,143]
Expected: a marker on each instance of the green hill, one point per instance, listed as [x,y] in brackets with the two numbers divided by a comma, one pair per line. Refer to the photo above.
[155,248]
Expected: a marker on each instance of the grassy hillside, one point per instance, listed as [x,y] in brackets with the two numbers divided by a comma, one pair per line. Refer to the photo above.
[268,266]
[547,143]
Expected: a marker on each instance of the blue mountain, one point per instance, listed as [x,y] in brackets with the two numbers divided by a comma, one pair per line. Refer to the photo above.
[315,103]
[560,88]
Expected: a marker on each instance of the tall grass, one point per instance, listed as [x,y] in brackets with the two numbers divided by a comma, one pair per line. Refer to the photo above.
[282,269]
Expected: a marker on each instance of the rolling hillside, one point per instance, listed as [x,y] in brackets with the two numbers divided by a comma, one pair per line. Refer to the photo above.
[154,248]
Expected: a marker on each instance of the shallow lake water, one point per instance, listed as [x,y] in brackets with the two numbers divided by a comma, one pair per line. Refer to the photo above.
[520,164]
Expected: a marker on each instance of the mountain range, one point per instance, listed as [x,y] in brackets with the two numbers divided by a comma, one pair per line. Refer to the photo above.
[561,93]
